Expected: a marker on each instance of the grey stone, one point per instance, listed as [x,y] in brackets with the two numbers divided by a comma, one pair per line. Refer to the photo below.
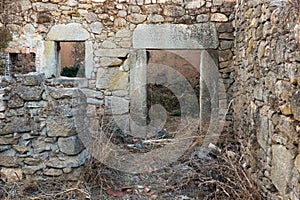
[107,44]
[15,101]
[36,104]
[94,101]
[69,32]
[4,147]
[29,93]
[89,61]
[106,61]
[53,172]
[90,17]
[136,18]
[116,105]
[202,18]
[226,44]
[282,165]
[123,33]
[112,78]
[61,93]
[3,105]
[92,93]
[16,125]
[68,161]
[296,105]
[263,133]
[32,79]
[8,161]
[154,18]
[138,93]
[174,11]
[49,59]
[175,36]
[96,27]
[46,6]
[58,126]
[225,27]
[25,4]
[111,52]
[70,145]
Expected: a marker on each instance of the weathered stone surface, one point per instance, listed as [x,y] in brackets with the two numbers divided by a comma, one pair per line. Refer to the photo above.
[32,79]
[69,32]
[116,105]
[16,125]
[21,149]
[96,27]
[174,11]
[53,172]
[8,161]
[68,162]
[202,18]
[123,33]
[92,93]
[10,140]
[282,164]
[11,175]
[3,105]
[136,18]
[112,78]
[15,101]
[90,17]
[225,27]
[107,44]
[30,93]
[295,105]
[70,145]
[111,52]
[58,126]
[200,36]
[218,17]
[263,133]
[155,18]
[106,61]
[45,6]
[61,93]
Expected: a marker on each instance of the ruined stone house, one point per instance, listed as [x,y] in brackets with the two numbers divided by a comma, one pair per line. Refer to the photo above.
[253,45]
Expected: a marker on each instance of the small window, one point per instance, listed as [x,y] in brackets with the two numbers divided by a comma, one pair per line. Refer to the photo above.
[22,63]
[71,59]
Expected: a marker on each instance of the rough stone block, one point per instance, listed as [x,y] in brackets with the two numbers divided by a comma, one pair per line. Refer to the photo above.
[29,93]
[112,78]
[96,27]
[282,165]
[296,105]
[117,105]
[58,126]
[70,145]
[111,52]
[176,36]
[69,32]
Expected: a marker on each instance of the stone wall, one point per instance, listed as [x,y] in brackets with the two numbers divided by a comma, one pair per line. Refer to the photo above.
[39,137]
[266,95]
[107,28]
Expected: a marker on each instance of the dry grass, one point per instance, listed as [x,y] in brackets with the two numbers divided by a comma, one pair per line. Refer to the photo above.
[200,173]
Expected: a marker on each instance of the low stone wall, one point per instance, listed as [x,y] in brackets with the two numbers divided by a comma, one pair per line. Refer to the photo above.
[266,93]
[39,137]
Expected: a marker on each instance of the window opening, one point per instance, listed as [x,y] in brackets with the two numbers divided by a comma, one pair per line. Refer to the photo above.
[22,63]
[71,59]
